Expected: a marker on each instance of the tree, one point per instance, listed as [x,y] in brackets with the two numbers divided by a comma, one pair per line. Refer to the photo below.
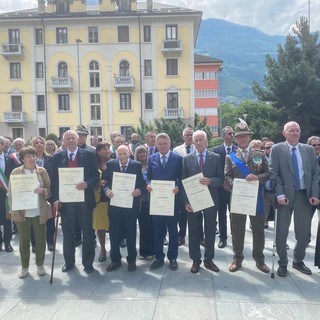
[54,137]
[292,84]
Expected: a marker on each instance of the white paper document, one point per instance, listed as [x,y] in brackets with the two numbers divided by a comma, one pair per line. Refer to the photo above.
[123,184]
[198,194]
[68,179]
[244,197]
[162,198]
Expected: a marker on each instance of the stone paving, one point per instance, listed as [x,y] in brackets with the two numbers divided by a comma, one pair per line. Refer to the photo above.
[161,294]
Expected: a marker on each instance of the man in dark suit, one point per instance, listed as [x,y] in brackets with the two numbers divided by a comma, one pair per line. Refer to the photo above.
[165,165]
[295,168]
[71,212]
[209,164]
[123,220]
[150,144]
[5,170]
[251,165]
[224,191]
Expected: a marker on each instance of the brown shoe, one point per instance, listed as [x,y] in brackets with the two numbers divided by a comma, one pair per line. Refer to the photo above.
[235,266]
[263,267]
[208,264]
[195,267]
[113,266]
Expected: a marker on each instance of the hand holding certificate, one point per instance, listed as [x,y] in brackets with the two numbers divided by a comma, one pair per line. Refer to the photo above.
[69,178]
[198,194]
[162,198]
[244,196]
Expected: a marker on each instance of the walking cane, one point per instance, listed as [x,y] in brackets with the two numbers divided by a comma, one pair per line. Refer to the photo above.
[274,240]
[54,246]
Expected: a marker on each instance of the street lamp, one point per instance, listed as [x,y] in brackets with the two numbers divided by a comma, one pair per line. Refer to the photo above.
[219,95]
[79,84]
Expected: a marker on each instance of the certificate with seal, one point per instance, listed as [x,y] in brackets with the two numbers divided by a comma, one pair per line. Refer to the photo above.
[123,184]
[22,190]
[162,198]
[244,197]
[68,179]
[198,194]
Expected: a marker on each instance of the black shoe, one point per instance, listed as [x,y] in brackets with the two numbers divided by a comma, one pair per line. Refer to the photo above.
[156,264]
[222,244]
[282,271]
[287,247]
[67,267]
[181,241]
[102,257]
[132,266]
[50,247]
[77,243]
[113,266]
[33,249]
[173,265]
[165,241]
[123,243]
[300,266]
[8,247]
[88,269]
[202,243]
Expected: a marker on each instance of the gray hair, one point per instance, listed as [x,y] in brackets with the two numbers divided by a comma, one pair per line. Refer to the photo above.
[3,140]
[313,138]
[163,135]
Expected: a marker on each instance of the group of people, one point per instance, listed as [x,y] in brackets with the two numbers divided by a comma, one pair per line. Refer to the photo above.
[287,174]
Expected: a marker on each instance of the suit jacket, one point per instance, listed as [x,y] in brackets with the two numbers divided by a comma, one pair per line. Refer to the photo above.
[220,150]
[85,159]
[212,169]
[257,164]
[134,167]
[282,170]
[182,151]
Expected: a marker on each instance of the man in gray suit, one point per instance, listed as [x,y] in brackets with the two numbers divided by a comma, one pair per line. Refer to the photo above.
[209,163]
[294,167]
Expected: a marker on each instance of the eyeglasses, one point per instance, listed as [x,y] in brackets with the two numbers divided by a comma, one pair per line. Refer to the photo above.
[231,133]
[316,145]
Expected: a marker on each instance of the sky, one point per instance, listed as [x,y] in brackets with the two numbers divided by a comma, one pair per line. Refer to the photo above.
[274,17]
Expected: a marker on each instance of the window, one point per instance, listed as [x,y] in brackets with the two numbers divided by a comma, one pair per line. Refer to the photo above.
[17,133]
[124,5]
[64,102]
[61,35]
[42,132]
[206,93]
[205,75]
[95,107]
[147,33]
[94,74]
[62,130]
[123,33]
[214,129]
[15,70]
[171,32]
[148,100]
[124,68]
[62,70]
[16,103]
[39,70]
[93,35]
[14,36]
[126,132]
[40,103]
[125,101]
[39,36]
[96,131]
[62,7]
[172,67]
[147,68]
[172,100]
[207,111]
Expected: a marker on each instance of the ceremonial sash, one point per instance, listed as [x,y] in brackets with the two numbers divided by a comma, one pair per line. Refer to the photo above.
[15,158]
[4,186]
[245,171]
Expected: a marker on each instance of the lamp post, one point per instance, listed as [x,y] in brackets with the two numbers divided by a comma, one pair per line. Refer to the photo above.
[219,95]
[79,84]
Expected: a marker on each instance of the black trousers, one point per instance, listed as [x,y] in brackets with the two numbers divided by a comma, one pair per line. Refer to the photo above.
[146,243]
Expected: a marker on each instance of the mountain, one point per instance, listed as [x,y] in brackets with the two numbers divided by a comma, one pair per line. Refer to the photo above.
[242,50]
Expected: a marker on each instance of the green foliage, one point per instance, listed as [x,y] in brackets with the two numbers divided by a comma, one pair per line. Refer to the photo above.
[292,84]
[54,137]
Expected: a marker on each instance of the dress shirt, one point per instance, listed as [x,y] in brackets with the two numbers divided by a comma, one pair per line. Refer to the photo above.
[226,148]
[2,162]
[204,154]
[74,153]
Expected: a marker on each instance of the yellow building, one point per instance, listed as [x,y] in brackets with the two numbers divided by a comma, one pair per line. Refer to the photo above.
[102,63]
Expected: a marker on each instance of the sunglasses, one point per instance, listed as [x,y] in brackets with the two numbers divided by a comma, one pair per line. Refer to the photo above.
[231,133]
[316,145]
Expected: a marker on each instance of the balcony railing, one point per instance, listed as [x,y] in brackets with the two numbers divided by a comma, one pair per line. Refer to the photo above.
[12,51]
[124,82]
[173,113]
[61,84]
[14,117]
[171,47]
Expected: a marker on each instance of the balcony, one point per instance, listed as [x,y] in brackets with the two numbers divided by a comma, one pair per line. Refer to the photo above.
[12,51]
[173,113]
[171,48]
[15,117]
[61,84]
[124,82]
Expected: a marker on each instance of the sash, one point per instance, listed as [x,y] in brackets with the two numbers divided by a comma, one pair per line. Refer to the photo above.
[4,186]
[15,158]
[245,171]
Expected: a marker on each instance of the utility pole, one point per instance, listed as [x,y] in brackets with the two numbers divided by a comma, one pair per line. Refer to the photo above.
[309,21]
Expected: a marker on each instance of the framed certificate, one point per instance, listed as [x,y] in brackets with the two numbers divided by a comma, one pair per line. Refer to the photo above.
[68,179]
[162,198]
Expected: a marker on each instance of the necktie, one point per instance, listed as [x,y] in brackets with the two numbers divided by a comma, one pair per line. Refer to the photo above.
[245,155]
[188,149]
[295,168]
[228,150]
[123,168]
[201,162]
[163,161]
[71,156]
[151,151]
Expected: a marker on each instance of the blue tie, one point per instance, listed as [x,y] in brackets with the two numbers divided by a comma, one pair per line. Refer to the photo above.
[295,168]
[163,161]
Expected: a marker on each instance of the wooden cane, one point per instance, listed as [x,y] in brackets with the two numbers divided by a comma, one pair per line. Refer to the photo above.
[54,245]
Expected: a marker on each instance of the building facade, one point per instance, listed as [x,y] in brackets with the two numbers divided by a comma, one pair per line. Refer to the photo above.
[102,63]
[207,73]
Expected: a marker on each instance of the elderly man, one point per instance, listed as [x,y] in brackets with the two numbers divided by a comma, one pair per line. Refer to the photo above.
[295,168]
[76,212]
[207,162]
[150,144]
[82,140]
[251,165]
